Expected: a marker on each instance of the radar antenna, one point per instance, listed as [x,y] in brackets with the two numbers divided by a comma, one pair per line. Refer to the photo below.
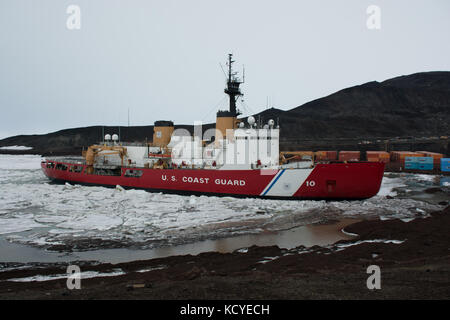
[232,89]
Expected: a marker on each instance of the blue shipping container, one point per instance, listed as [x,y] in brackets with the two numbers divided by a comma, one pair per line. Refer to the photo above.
[419,159]
[411,165]
[425,166]
[419,163]
[425,159]
[445,164]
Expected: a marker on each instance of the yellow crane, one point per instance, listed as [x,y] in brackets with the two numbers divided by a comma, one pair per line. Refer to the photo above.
[93,151]
[286,156]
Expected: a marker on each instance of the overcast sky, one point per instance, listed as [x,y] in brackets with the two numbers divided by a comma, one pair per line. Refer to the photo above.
[161,59]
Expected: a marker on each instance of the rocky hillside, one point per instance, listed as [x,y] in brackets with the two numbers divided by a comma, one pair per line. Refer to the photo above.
[416,105]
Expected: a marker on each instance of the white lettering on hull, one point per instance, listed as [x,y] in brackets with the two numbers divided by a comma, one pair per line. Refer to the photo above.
[223,182]
[230,182]
[195,180]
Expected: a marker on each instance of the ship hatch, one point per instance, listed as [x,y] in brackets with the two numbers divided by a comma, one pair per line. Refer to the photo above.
[331,185]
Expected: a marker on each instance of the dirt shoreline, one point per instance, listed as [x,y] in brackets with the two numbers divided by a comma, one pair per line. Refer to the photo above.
[415,266]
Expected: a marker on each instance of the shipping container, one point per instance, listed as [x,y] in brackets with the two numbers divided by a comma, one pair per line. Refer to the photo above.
[320,155]
[419,163]
[445,164]
[378,156]
[411,165]
[332,155]
[419,159]
[425,166]
[399,156]
[325,155]
[349,155]
[436,157]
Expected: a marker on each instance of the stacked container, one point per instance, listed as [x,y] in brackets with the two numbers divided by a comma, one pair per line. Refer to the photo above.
[378,156]
[399,156]
[320,155]
[419,163]
[332,155]
[436,157]
[349,155]
[325,155]
[445,164]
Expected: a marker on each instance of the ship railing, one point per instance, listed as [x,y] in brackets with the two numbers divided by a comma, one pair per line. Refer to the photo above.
[71,160]
[125,144]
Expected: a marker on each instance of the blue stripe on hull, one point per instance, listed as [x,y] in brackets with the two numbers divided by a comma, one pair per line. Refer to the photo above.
[273,183]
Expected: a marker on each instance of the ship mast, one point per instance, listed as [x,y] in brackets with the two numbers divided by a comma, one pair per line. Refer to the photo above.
[232,89]
[226,121]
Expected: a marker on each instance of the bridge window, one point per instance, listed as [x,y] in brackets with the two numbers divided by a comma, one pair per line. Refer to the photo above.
[61,166]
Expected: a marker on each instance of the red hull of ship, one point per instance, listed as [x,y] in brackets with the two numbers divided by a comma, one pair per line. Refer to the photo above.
[357,180]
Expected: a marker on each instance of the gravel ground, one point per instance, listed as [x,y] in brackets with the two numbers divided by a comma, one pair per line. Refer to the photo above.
[413,257]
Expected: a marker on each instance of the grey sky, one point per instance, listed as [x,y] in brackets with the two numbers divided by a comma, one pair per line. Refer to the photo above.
[161,58]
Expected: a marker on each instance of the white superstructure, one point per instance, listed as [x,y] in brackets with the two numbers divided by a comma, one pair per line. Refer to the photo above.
[243,148]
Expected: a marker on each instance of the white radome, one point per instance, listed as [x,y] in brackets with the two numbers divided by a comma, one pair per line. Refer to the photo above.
[107,137]
[251,120]
[115,137]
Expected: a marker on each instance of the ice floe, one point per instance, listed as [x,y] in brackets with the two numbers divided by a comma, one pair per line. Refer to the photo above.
[36,212]
[388,186]
[21,162]
[18,224]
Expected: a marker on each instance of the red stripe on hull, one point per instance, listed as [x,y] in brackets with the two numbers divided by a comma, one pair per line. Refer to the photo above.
[358,180]
[330,181]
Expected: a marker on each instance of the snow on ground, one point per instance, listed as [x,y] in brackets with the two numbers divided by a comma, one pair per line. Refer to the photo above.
[82,275]
[16,148]
[38,213]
